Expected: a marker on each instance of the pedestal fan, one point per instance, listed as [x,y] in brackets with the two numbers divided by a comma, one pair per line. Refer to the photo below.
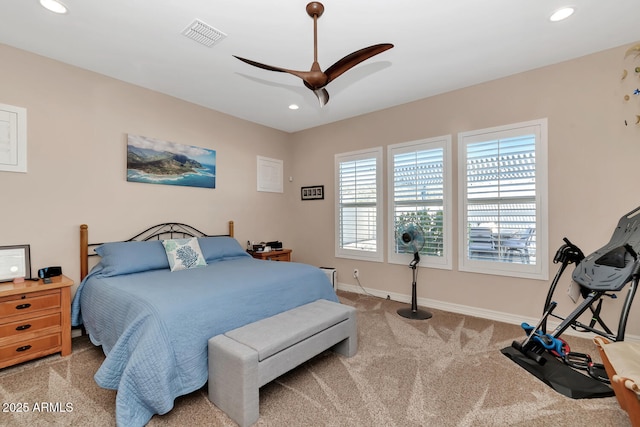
[411,237]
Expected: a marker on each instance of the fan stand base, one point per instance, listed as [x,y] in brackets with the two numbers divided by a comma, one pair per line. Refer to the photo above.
[414,314]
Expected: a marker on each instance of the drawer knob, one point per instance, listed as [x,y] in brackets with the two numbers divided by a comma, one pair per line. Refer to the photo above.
[23,327]
[22,306]
[23,348]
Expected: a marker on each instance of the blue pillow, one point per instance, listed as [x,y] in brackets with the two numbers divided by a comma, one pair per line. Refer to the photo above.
[220,248]
[131,257]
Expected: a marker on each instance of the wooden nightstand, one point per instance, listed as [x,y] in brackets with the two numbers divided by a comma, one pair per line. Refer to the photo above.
[35,319]
[274,255]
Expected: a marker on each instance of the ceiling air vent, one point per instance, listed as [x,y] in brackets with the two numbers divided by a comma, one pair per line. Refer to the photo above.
[203,33]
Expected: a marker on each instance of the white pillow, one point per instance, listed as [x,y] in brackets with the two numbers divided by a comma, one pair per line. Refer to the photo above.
[183,254]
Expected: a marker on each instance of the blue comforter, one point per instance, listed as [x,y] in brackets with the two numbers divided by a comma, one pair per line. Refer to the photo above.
[154,325]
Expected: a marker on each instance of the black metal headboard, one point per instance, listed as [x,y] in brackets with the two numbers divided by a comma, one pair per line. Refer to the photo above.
[168,230]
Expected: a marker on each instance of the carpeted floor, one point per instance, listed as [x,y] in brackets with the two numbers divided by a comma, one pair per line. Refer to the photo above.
[445,371]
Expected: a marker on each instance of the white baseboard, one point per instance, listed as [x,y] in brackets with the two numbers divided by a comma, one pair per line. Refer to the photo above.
[498,316]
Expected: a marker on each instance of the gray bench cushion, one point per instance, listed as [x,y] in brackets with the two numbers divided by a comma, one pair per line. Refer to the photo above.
[290,327]
[243,360]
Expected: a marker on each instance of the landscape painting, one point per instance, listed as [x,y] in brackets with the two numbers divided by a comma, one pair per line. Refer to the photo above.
[161,162]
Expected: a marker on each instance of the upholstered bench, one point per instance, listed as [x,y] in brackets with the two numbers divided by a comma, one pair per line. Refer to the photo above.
[243,360]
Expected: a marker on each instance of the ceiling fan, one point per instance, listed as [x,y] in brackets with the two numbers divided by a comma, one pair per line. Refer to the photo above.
[316,79]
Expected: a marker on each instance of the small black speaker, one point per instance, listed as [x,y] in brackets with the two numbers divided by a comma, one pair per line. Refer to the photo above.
[45,273]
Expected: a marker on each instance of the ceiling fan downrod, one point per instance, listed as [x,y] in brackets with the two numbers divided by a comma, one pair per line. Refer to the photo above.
[315,9]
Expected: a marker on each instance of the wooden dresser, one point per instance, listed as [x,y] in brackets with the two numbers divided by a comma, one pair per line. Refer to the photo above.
[274,255]
[35,320]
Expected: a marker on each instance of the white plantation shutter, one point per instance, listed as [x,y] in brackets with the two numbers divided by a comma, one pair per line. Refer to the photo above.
[503,189]
[358,204]
[419,183]
[501,183]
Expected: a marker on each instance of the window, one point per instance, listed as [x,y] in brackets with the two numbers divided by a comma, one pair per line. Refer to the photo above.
[419,193]
[358,205]
[503,206]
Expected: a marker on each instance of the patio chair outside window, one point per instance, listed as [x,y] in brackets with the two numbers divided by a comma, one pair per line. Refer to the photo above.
[518,245]
[481,244]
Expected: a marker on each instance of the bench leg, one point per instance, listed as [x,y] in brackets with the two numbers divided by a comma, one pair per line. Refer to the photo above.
[349,346]
[233,379]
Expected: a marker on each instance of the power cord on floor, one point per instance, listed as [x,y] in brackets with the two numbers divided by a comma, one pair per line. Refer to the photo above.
[363,289]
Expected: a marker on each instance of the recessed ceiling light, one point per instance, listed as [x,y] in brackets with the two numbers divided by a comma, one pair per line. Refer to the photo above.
[54,6]
[293,107]
[561,14]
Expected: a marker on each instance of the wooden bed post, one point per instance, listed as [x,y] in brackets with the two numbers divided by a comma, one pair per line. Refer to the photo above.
[231,228]
[84,250]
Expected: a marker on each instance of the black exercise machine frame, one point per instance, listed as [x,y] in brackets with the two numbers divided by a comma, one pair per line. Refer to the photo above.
[602,273]
[590,298]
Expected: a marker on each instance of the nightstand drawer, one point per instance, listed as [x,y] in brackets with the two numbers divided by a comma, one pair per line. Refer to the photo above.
[28,347]
[274,255]
[13,330]
[23,304]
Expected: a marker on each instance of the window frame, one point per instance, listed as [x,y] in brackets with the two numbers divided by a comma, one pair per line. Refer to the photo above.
[340,252]
[539,270]
[439,142]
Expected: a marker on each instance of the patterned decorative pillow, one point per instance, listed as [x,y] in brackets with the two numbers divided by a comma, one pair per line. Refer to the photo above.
[183,254]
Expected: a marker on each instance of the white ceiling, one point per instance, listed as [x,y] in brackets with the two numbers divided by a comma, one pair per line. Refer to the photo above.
[440,45]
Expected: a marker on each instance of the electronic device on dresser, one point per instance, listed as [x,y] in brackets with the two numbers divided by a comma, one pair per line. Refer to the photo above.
[275,245]
[48,272]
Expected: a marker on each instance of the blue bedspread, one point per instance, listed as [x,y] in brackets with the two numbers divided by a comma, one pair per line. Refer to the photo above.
[154,325]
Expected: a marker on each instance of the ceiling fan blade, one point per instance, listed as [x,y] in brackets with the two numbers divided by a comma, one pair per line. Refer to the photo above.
[306,76]
[263,66]
[321,93]
[323,96]
[354,58]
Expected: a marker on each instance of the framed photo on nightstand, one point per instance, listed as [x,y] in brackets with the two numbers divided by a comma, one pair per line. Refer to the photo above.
[15,262]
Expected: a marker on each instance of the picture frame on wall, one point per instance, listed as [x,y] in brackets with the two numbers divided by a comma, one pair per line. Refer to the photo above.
[270,175]
[155,161]
[13,138]
[15,262]
[314,192]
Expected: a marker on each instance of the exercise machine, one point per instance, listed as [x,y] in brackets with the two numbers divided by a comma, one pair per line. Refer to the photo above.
[602,274]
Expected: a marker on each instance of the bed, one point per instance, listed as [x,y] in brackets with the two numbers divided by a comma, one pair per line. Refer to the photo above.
[154,323]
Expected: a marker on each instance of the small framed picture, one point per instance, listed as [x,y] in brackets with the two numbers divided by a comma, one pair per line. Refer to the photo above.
[314,192]
[15,262]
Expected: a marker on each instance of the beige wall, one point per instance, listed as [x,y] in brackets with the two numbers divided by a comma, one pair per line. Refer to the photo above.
[77,126]
[592,162]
